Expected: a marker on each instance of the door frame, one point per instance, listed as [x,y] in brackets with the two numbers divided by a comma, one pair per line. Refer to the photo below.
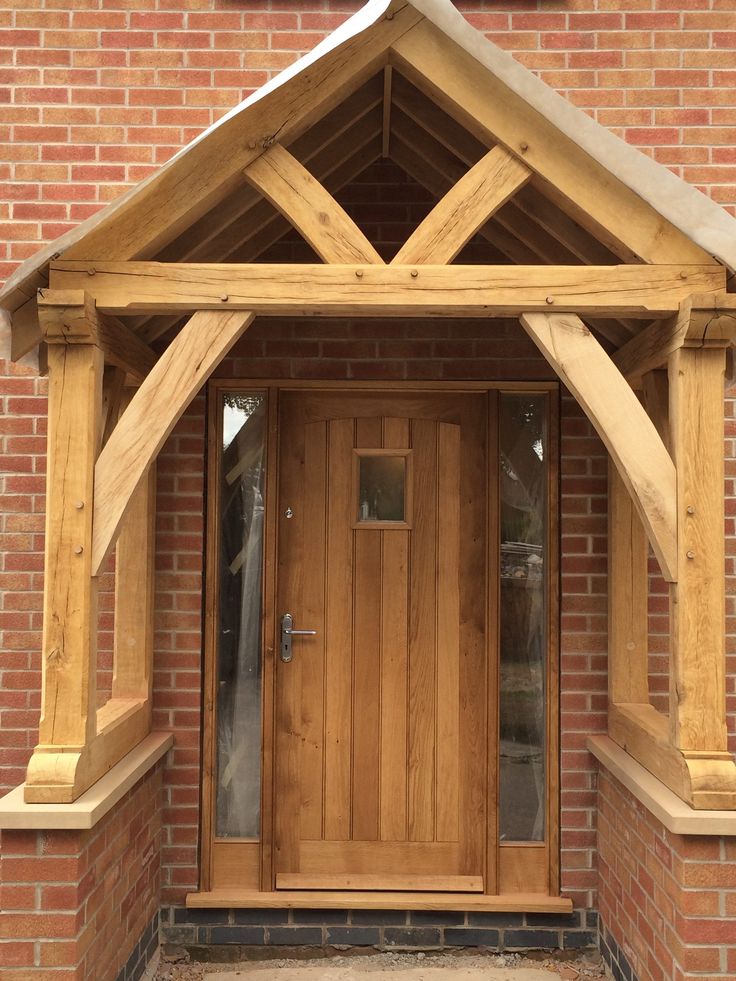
[245,868]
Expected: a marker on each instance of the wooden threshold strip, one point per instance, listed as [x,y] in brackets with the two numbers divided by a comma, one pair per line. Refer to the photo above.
[303,899]
[367,881]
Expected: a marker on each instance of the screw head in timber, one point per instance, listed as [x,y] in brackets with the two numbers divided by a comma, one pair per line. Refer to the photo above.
[359,273]
[224,298]
[690,509]
[690,554]
[78,549]
[549,300]
[79,505]
[414,273]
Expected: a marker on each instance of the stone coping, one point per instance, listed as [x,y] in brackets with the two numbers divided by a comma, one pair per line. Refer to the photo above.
[677,816]
[94,804]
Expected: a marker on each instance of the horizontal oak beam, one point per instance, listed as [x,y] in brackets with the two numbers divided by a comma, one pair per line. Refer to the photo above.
[620,420]
[367,290]
[71,317]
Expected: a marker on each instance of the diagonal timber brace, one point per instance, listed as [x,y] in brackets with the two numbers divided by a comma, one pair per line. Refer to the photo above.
[641,459]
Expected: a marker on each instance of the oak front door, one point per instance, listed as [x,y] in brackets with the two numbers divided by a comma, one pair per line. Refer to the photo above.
[381,714]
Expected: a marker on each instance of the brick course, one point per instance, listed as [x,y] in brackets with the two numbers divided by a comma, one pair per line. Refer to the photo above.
[83,905]
[96,99]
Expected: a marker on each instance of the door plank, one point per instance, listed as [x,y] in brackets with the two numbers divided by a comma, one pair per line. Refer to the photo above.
[422,635]
[473,631]
[366,662]
[288,676]
[310,615]
[394,663]
[448,632]
[338,634]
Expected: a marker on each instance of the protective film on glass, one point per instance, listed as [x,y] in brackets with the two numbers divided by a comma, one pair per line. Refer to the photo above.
[239,662]
[524,465]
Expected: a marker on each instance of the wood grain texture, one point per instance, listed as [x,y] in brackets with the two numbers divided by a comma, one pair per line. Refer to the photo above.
[309,207]
[447,678]
[339,634]
[641,459]
[392,613]
[367,290]
[72,317]
[423,635]
[382,882]
[327,899]
[134,595]
[311,614]
[698,694]
[471,202]
[394,663]
[367,617]
[700,321]
[628,590]
[151,416]
[69,649]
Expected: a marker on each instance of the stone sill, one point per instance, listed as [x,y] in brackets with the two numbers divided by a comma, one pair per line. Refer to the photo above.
[677,816]
[94,804]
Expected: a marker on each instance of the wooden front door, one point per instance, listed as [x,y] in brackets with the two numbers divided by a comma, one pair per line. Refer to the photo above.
[381,715]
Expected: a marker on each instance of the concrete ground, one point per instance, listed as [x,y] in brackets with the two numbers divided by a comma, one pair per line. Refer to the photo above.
[393,966]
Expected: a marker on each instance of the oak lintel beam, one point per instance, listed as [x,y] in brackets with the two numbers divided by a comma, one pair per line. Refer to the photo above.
[370,290]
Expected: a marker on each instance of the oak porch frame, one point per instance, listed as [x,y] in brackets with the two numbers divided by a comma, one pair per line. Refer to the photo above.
[691,756]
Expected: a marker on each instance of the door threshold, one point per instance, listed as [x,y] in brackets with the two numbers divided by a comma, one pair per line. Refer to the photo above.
[301,899]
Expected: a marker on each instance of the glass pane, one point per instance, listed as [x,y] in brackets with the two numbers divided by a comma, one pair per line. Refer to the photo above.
[524,465]
[382,481]
[239,628]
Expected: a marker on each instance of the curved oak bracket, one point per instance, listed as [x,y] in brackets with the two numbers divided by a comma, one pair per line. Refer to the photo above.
[618,417]
[152,414]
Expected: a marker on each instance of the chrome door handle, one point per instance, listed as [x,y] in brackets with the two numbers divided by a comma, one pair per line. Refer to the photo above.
[287,632]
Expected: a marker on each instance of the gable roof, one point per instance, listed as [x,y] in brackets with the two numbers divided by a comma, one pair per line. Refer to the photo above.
[170,201]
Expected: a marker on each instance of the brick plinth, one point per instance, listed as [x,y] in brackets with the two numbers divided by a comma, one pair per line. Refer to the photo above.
[382,929]
[83,905]
[667,902]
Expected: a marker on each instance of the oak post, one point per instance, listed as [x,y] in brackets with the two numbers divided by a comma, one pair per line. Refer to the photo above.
[68,657]
[697,683]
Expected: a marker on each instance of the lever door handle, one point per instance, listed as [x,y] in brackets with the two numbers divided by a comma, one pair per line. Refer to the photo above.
[287,632]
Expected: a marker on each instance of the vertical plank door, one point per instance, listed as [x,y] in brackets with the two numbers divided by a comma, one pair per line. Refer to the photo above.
[381,714]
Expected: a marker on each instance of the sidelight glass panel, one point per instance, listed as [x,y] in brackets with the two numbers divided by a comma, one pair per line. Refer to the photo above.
[381,480]
[523,441]
[239,661]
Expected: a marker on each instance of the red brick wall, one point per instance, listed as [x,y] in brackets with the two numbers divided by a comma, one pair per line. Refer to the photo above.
[667,899]
[74,904]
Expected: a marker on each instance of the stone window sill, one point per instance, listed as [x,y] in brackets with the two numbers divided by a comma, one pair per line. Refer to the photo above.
[95,803]
[677,816]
